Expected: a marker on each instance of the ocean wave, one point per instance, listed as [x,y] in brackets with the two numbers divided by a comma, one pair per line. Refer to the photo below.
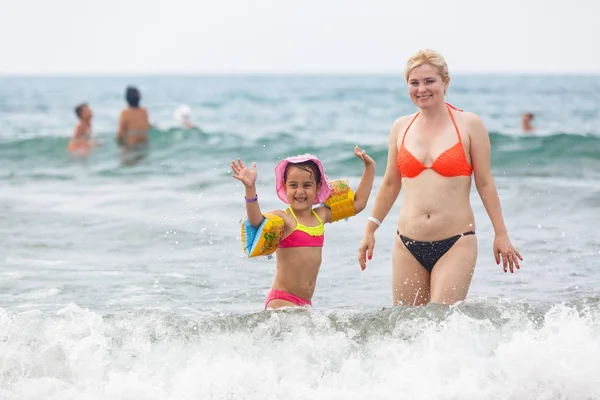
[561,153]
[477,349]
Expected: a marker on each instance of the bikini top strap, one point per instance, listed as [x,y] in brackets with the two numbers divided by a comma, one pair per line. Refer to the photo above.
[292,213]
[450,108]
[317,215]
[408,127]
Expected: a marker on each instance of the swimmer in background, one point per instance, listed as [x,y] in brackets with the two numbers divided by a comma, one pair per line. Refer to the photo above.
[183,116]
[134,123]
[81,143]
[526,119]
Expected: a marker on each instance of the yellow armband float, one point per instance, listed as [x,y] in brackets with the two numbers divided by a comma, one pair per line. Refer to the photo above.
[264,240]
[341,200]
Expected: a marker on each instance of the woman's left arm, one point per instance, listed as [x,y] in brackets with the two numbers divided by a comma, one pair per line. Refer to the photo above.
[480,151]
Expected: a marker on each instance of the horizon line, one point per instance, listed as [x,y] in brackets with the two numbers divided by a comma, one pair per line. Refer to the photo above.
[275,73]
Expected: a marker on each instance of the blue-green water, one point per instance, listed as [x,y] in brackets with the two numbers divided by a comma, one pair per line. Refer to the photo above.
[129,281]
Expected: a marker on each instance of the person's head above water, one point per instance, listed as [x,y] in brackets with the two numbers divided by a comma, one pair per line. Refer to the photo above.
[526,119]
[83,111]
[183,115]
[132,95]
[427,77]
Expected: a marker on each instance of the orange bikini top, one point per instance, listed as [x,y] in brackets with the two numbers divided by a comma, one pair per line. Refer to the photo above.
[452,162]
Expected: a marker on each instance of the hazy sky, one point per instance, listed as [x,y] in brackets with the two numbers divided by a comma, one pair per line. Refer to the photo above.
[302,36]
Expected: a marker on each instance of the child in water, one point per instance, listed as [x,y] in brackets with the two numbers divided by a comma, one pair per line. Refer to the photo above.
[81,143]
[301,182]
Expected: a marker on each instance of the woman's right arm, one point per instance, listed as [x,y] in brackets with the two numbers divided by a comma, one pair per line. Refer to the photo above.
[392,181]
[386,195]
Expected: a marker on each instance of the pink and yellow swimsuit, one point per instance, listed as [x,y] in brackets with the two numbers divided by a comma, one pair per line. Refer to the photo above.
[301,236]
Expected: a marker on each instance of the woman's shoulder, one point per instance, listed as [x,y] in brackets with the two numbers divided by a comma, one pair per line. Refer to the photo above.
[471,122]
[401,123]
[404,119]
[143,112]
[468,117]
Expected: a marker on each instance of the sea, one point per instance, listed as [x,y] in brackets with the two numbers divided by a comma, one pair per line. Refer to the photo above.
[128,280]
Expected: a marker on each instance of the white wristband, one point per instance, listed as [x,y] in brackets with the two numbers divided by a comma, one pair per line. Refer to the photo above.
[375,220]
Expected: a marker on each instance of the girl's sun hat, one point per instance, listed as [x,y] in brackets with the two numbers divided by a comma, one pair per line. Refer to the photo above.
[324,191]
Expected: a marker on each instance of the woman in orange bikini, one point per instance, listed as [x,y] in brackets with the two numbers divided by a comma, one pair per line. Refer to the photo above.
[432,155]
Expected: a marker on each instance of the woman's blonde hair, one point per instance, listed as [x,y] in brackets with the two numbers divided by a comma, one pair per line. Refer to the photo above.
[427,56]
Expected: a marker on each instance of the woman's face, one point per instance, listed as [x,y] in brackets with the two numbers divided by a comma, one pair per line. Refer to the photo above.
[426,86]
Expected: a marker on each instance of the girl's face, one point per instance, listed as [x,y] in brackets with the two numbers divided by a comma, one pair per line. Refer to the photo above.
[301,188]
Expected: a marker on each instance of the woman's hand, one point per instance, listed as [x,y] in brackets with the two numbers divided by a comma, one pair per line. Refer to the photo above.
[365,250]
[505,252]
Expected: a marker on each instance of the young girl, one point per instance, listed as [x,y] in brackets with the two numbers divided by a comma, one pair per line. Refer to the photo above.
[301,183]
